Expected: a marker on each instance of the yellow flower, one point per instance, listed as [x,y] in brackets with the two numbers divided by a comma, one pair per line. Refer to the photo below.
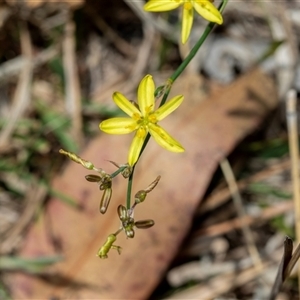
[203,7]
[143,119]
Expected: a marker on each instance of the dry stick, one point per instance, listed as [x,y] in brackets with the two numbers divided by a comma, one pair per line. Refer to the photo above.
[15,65]
[227,226]
[282,268]
[72,89]
[33,199]
[142,60]
[238,203]
[223,283]
[219,197]
[122,45]
[159,24]
[291,115]
[21,98]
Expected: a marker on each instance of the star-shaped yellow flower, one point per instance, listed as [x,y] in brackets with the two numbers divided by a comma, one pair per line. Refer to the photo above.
[143,119]
[203,7]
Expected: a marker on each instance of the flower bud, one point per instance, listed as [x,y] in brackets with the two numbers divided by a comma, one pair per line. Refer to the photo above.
[122,212]
[130,233]
[144,224]
[128,225]
[105,182]
[105,200]
[140,196]
[104,186]
[93,178]
[77,159]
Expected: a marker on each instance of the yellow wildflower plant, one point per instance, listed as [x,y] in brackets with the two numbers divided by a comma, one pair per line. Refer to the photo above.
[203,7]
[143,119]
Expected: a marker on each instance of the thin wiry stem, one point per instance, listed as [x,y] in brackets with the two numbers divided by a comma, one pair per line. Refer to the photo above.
[169,84]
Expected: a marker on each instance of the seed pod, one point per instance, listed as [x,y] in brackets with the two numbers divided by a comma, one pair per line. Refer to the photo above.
[122,212]
[128,225]
[105,200]
[140,196]
[93,178]
[130,233]
[144,224]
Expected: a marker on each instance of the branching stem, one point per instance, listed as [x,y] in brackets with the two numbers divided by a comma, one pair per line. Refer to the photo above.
[170,82]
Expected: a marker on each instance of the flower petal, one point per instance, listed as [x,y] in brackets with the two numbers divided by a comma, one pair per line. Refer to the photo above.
[168,107]
[136,145]
[164,139]
[207,10]
[125,104]
[161,5]
[187,22]
[146,95]
[118,125]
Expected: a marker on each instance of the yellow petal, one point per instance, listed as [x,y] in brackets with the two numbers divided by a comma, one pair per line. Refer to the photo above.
[118,125]
[164,139]
[125,104]
[146,95]
[187,22]
[168,107]
[207,10]
[136,145]
[161,5]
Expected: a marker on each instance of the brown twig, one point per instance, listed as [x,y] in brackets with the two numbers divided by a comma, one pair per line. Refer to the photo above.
[219,197]
[21,97]
[122,45]
[224,282]
[72,89]
[225,227]
[142,60]
[291,115]
[158,23]
[33,199]
[13,66]
[285,260]
[238,204]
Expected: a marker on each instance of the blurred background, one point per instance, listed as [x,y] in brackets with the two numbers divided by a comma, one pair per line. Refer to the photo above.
[60,62]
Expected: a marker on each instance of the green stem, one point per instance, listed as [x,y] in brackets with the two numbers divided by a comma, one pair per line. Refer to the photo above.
[129,188]
[170,82]
[193,52]
[197,46]
[117,172]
